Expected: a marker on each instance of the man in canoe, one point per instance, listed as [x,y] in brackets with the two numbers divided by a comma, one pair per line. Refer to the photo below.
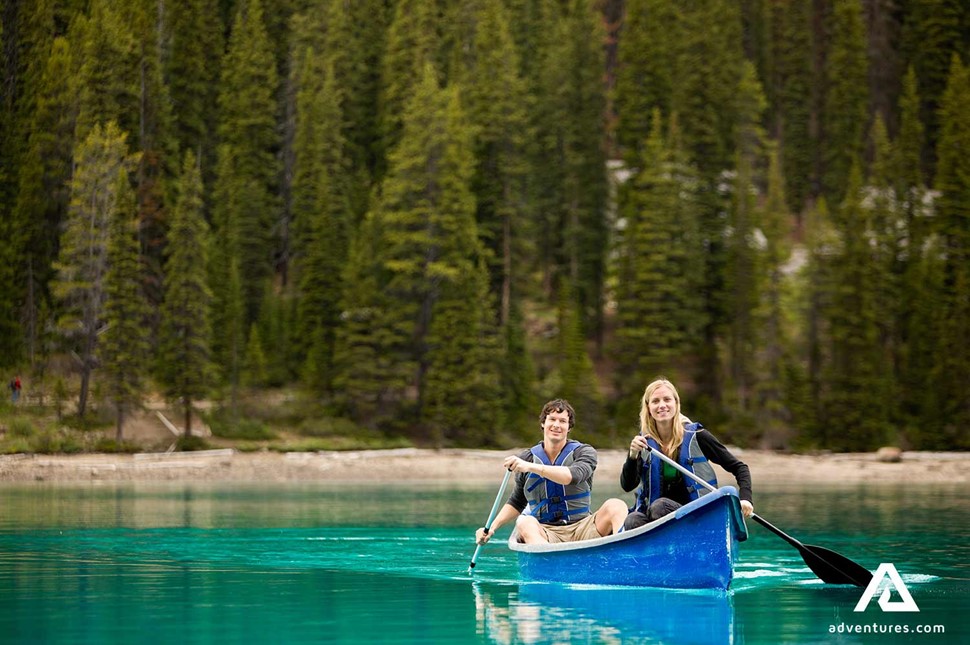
[662,488]
[554,479]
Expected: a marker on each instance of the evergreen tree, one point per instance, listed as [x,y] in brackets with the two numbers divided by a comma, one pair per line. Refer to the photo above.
[411,43]
[125,342]
[43,194]
[646,71]
[193,45]
[704,94]
[246,185]
[856,374]
[846,98]
[822,245]
[461,391]
[321,209]
[366,351]
[788,86]
[156,143]
[355,47]
[744,248]
[184,360]
[777,373]
[570,121]
[108,77]
[658,314]
[576,377]
[920,268]
[255,370]
[932,34]
[706,106]
[496,102]
[952,365]
[517,375]
[82,260]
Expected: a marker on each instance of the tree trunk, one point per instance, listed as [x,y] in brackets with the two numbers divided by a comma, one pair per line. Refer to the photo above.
[188,419]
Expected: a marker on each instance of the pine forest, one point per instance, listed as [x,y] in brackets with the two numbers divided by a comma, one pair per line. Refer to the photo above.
[411,222]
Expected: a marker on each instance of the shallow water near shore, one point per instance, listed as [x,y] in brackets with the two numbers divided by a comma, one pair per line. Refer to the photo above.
[287,563]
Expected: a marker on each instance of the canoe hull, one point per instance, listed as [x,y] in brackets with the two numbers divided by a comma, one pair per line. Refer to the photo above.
[692,548]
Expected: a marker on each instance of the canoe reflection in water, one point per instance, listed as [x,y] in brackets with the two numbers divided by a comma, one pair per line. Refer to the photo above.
[549,612]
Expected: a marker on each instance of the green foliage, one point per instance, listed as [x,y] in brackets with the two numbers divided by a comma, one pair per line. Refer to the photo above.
[932,34]
[495,98]
[83,257]
[659,314]
[647,70]
[575,379]
[254,372]
[789,86]
[952,364]
[193,46]
[117,447]
[428,172]
[246,187]
[411,44]
[21,427]
[855,375]
[184,359]
[191,443]
[846,98]
[125,343]
[228,426]
[322,212]
[43,195]
[108,73]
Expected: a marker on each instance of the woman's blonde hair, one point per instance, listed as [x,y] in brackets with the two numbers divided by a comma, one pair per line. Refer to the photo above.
[648,425]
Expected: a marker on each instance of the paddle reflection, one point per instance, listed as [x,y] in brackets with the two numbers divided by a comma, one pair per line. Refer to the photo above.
[543,613]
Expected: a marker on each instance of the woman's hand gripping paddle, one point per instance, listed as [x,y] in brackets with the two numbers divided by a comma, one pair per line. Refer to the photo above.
[491,516]
[829,566]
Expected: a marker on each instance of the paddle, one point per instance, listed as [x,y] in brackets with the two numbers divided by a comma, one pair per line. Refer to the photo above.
[491,516]
[829,566]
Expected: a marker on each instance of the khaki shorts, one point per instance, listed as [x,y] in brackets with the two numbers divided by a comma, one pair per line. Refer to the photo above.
[584,529]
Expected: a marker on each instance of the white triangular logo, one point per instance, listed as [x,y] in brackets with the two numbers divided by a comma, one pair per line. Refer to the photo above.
[905,603]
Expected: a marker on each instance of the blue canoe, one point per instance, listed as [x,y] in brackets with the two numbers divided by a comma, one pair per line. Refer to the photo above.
[692,548]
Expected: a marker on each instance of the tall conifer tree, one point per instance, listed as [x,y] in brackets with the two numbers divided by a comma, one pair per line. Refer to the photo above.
[658,313]
[184,360]
[744,261]
[125,342]
[43,193]
[856,374]
[82,260]
[322,212]
[846,98]
[646,72]
[246,187]
[952,365]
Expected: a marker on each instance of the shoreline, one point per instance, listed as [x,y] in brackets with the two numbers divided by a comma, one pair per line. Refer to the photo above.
[451,465]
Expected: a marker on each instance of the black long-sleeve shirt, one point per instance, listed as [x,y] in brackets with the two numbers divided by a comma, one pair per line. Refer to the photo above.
[675,489]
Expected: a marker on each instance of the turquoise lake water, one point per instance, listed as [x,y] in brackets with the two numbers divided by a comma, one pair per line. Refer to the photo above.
[327,563]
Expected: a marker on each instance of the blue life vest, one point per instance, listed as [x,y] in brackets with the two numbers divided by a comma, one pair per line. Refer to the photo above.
[553,503]
[690,457]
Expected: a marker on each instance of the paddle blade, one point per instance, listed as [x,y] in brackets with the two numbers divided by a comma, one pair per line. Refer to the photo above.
[834,568]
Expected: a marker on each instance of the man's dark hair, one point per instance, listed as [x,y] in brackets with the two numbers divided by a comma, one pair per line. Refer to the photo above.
[558,405]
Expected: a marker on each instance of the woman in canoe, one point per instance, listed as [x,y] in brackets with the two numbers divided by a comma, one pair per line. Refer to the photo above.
[663,488]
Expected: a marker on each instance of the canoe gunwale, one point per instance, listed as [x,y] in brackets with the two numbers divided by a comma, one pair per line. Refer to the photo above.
[710,498]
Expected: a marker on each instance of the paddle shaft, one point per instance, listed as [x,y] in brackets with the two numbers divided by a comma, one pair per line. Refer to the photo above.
[829,566]
[491,515]
[765,523]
